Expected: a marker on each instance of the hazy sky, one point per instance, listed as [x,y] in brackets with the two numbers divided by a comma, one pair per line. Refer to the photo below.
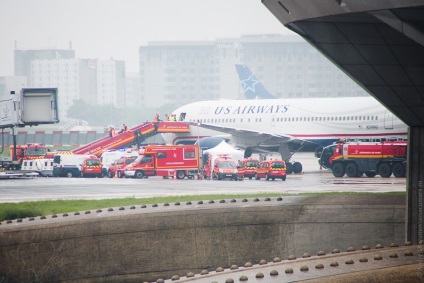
[116,28]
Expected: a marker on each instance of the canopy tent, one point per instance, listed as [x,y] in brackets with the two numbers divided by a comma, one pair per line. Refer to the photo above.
[225,148]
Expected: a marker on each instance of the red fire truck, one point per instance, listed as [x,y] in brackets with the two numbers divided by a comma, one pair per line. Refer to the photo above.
[91,167]
[247,168]
[272,169]
[21,152]
[220,166]
[166,161]
[371,158]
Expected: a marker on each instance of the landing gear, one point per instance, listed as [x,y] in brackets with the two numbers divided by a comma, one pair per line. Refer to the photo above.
[295,167]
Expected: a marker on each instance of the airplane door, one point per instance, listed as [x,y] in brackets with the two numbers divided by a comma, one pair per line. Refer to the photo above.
[388,120]
[273,121]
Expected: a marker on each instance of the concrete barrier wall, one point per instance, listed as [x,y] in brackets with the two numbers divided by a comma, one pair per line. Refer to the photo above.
[143,244]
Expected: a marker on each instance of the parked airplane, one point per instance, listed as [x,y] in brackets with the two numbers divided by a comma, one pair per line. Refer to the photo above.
[276,125]
[252,88]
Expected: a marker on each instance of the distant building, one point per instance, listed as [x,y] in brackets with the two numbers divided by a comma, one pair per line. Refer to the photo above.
[181,72]
[23,59]
[94,81]
[133,96]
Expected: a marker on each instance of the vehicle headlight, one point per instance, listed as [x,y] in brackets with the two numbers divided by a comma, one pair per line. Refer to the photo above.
[221,171]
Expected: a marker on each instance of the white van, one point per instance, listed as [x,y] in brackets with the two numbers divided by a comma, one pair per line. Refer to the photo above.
[43,166]
[69,165]
[110,156]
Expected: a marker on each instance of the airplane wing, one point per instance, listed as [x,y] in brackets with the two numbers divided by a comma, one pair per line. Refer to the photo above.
[263,138]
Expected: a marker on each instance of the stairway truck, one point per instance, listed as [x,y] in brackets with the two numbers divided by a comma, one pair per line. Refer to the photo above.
[372,158]
[165,160]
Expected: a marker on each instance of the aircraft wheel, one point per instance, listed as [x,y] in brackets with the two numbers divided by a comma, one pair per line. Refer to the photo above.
[289,167]
[338,170]
[351,170]
[297,167]
[283,178]
[384,170]
[398,170]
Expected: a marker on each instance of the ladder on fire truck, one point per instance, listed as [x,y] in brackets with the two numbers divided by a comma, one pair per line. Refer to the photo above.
[130,137]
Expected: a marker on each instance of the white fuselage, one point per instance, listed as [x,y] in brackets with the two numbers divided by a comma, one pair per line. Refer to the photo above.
[319,120]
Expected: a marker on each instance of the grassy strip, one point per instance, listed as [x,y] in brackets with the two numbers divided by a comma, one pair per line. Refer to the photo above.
[10,211]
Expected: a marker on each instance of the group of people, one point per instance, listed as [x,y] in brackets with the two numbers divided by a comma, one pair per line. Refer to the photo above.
[172,117]
[114,132]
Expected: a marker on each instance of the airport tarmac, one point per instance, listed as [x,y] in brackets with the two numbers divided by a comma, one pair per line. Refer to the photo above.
[311,180]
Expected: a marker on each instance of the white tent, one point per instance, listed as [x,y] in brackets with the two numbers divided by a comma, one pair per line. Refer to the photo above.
[225,148]
[221,149]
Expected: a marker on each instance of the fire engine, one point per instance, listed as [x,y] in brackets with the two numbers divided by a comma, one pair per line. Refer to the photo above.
[118,166]
[21,152]
[166,161]
[91,167]
[371,158]
[220,166]
[272,169]
[247,168]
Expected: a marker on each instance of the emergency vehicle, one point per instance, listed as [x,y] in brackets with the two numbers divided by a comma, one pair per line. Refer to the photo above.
[69,165]
[23,152]
[220,166]
[91,167]
[111,155]
[247,168]
[43,166]
[271,169]
[371,158]
[166,161]
[118,166]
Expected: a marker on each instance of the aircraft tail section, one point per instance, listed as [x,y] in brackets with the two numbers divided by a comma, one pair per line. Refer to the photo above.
[252,87]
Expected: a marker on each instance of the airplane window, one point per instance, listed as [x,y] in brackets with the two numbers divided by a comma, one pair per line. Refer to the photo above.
[360,117]
[260,119]
[331,118]
[248,120]
[273,119]
[376,117]
[241,120]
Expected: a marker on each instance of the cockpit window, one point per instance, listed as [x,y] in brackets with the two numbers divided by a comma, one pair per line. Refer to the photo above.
[182,116]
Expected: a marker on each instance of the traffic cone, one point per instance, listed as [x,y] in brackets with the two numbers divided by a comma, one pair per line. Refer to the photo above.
[175,175]
[116,174]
